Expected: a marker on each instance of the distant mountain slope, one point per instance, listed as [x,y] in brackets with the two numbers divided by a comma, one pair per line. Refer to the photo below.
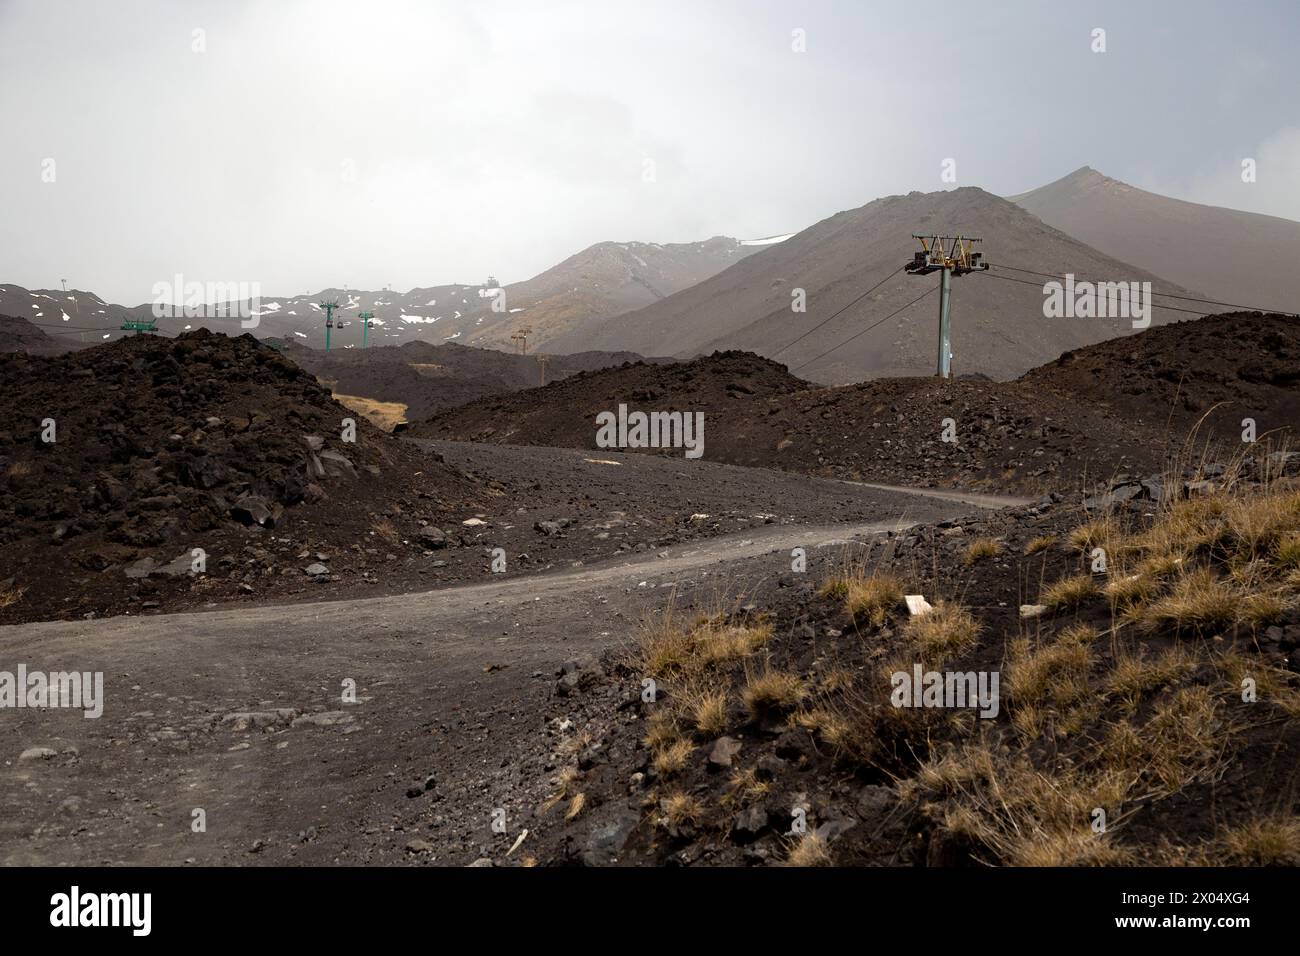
[998,326]
[605,280]
[601,281]
[1242,258]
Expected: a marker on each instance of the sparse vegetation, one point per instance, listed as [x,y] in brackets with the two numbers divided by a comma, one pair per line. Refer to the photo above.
[681,810]
[946,629]
[1040,544]
[982,549]
[382,414]
[870,599]
[11,594]
[1069,592]
[671,759]
[773,692]
[1199,601]
[808,850]
[1119,707]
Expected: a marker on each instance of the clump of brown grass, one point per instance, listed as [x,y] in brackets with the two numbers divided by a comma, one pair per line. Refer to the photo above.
[836,588]
[1015,813]
[981,549]
[1199,601]
[681,809]
[1098,533]
[671,759]
[1286,553]
[830,725]
[1129,591]
[773,692]
[1265,841]
[1040,544]
[1055,673]
[745,787]
[870,599]
[808,850]
[11,594]
[1134,673]
[1068,592]
[575,806]
[707,710]
[564,784]
[945,629]
[1263,608]
[668,647]
[662,729]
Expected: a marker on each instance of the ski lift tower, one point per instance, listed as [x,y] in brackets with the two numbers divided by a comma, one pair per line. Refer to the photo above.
[950,256]
[365,318]
[522,338]
[329,305]
[140,325]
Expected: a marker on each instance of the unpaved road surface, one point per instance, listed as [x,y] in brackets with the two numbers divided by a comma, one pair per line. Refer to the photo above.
[225,738]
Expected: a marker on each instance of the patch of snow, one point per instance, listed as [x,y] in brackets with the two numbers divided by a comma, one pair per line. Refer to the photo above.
[766,240]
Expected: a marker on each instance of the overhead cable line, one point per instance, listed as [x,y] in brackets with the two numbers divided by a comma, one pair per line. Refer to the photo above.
[838,312]
[1164,295]
[866,330]
[1039,287]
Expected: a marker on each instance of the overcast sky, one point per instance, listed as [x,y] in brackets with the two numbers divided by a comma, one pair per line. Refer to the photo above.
[310,143]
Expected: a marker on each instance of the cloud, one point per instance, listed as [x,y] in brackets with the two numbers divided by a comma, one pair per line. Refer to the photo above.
[1276,189]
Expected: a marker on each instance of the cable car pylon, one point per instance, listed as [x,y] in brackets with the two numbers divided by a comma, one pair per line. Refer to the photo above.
[949,256]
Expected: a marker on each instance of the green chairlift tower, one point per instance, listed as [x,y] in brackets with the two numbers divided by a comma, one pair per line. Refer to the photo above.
[140,325]
[365,318]
[329,305]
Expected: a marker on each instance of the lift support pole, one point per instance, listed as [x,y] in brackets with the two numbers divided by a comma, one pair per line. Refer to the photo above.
[949,256]
[945,330]
[329,306]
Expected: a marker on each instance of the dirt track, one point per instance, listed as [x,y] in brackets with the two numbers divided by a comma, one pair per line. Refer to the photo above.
[454,685]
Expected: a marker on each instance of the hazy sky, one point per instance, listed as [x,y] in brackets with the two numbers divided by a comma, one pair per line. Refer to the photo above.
[308,143]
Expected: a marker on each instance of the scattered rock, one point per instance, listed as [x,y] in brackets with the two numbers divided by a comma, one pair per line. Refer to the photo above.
[724,751]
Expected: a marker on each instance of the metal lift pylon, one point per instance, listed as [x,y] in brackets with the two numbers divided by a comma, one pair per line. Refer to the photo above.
[949,256]
[329,305]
